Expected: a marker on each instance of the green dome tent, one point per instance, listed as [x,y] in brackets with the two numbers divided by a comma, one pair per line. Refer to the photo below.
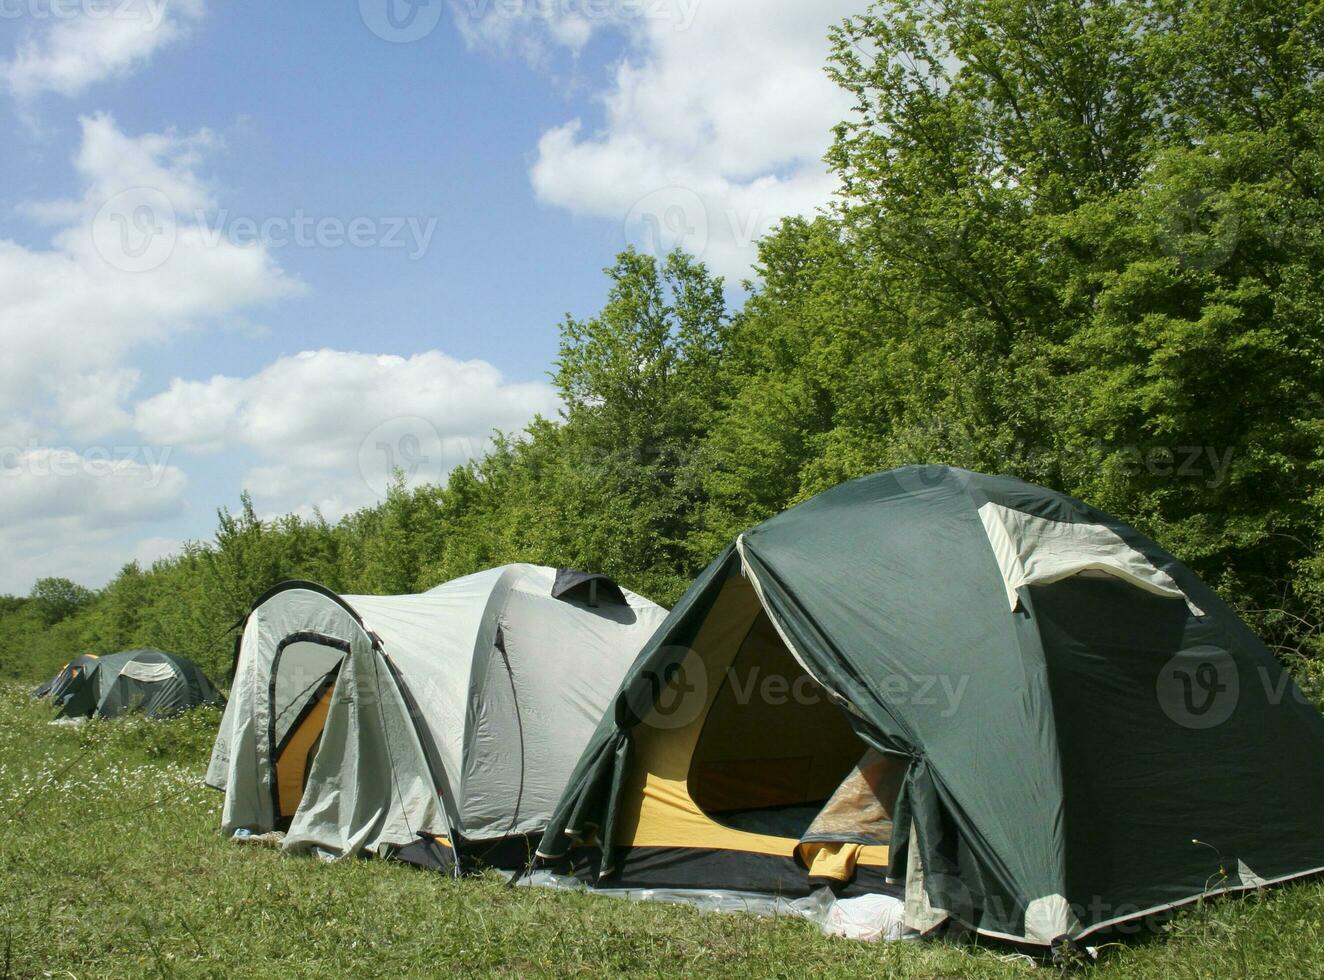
[1007,706]
[156,683]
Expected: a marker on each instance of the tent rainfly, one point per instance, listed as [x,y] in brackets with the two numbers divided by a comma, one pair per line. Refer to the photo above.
[157,684]
[437,728]
[1007,707]
[58,686]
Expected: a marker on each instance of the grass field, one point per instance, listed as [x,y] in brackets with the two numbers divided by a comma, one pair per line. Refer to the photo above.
[111,864]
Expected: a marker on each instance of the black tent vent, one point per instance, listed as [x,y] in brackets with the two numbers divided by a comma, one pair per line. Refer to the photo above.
[586,587]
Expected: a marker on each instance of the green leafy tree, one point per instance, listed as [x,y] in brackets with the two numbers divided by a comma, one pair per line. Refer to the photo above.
[642,384]
[56,599]
[1096,227]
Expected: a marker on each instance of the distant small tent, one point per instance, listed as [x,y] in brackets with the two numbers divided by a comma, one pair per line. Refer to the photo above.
[155,683]
[67,677]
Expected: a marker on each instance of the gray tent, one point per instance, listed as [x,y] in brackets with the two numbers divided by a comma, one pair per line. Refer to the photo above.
[421,726]
[151,681]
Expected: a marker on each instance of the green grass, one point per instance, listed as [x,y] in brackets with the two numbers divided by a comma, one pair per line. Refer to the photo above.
[111,864]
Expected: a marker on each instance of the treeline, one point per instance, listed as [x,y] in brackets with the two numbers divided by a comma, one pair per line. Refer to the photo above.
[1080,242]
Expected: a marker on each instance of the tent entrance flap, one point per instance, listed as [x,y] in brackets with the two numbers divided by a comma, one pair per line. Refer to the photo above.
[772,738]
[859,814]
[732,762]
[294,755]
[303,679]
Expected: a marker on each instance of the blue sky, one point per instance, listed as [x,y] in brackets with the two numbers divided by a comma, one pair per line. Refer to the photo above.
[277,246]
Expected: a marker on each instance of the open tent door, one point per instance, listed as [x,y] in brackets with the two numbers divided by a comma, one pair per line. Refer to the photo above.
[773,747]
[302,683]
[737,751]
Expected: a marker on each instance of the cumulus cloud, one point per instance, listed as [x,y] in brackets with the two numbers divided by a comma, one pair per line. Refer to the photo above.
[65,510]
[533,29]
[70,46]
[328,427]
[129,263]
[92,403]
[714,122]
[98,489]
[150,550]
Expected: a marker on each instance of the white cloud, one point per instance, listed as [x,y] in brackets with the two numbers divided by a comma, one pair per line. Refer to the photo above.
[128,264]
[109,162]
[530,29]
[714,124]
[99,489]
[92,404]
[70,46]
[90,558]
[65,513]
[150,550]
[328,427]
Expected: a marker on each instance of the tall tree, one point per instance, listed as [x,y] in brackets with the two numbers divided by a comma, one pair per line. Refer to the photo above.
[56,599]
[642,385]
[1098,226]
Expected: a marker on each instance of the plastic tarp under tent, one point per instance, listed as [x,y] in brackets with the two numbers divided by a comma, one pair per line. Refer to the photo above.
[437,728]
[983,699]
[152,682]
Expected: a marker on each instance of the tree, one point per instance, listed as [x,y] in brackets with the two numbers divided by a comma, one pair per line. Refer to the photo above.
[642,384]
[1096,227]
[56,599]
